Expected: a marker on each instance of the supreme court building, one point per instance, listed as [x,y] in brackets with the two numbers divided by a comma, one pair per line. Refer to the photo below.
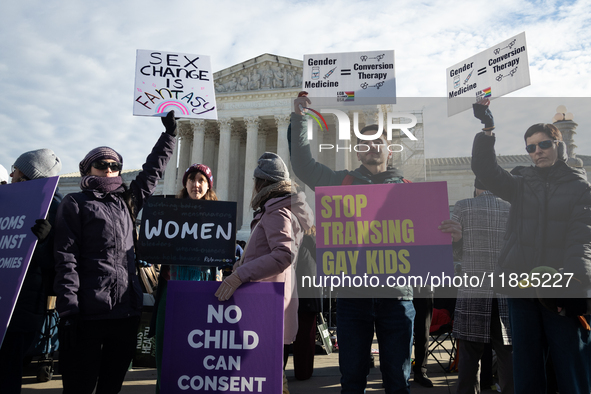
[254,101]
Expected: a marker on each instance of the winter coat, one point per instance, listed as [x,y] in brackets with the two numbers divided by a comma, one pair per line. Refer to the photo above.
[271,252]
[549,222]
[29,312]
[315,174]
[94,250]
[483,220]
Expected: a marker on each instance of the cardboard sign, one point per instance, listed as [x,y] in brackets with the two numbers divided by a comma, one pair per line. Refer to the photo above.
[492,73]
[20,205]
[188,232]
[168,80]
[231,346]
[382,230]
[351,78]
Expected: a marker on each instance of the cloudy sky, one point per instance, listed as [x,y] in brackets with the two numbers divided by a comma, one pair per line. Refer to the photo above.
[67,67]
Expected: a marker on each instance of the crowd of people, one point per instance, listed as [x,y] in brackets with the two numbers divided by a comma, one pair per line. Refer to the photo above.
[533,220]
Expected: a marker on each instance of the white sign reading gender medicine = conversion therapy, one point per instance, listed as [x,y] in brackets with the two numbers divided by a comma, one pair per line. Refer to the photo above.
[351,78]
[492,73]
[167,81]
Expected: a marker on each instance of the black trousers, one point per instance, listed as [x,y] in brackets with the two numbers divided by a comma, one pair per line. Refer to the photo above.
[99,351]
[12,354]
[423,317]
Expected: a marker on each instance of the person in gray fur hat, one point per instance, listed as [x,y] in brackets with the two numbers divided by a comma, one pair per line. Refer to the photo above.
[35,164]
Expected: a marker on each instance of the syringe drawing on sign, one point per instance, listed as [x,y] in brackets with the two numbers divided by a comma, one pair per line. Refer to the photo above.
[328,74]
[509,46]
[378,85]
[500,77]
[468,77]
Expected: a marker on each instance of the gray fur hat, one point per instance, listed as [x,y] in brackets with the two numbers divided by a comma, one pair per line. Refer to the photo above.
[271,167]
[40,163]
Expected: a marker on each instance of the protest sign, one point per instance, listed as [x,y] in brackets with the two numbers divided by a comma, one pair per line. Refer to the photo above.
[492,73]
[382,230]
[20,205]
[168,80]
[350,78]
[188,232]
[212,346]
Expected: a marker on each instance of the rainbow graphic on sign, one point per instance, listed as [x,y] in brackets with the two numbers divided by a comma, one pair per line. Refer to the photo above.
[316,118]
[164,107]
[487,92]
[350,96]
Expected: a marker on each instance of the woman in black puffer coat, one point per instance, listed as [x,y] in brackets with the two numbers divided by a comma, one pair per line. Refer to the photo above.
[99,298]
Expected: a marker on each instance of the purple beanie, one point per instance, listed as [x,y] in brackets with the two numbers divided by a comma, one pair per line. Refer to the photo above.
[100,153]
[202,168]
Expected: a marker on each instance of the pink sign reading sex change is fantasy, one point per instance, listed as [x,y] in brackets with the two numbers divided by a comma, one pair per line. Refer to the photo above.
[232,346]
[20,205]
[378,230]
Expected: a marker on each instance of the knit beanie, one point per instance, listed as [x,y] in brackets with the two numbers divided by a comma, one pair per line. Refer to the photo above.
[100,153]
[271,167]
[479,185]
[40,163]
[202,168]
[3,174]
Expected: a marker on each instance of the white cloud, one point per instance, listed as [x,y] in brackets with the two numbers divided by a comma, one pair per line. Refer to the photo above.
[66,68]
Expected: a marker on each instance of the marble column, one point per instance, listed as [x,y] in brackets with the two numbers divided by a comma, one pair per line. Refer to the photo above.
[262,140]
[282,121]
[223,173]
[210,150]
[235,164]
[170,173]
[185,133]
[252,140]
[198,140]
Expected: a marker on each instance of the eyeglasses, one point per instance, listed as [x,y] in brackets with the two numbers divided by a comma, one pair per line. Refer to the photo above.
[103,165]
[531,148]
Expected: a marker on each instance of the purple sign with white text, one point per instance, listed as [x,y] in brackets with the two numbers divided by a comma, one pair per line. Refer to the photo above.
[213,346]
[383,230]
[20,205]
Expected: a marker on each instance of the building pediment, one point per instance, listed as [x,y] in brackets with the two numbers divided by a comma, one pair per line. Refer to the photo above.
[262,73]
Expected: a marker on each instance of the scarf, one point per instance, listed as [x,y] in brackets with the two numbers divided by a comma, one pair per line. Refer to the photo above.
[101,184]
[277,189]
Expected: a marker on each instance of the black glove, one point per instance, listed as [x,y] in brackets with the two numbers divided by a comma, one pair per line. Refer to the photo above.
[169,123]
[482,112]
[41,229]
[68,327]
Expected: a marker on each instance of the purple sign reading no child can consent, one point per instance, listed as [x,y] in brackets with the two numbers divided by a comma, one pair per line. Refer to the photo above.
[231,346]
[383,230]
[20,205]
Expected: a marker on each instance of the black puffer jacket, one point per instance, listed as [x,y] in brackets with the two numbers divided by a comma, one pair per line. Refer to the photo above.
[95,264]
[550,218]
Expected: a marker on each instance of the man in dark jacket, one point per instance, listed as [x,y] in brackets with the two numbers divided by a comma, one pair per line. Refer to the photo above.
[545,263]
[390,312]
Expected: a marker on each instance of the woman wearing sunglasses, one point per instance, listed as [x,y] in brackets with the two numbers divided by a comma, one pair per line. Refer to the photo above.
[197,185]
[545,264]
[99,298]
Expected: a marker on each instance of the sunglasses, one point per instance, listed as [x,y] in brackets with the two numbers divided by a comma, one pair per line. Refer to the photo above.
[544,145]
[103,165]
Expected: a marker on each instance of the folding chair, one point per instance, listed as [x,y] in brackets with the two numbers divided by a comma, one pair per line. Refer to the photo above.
[442,345]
